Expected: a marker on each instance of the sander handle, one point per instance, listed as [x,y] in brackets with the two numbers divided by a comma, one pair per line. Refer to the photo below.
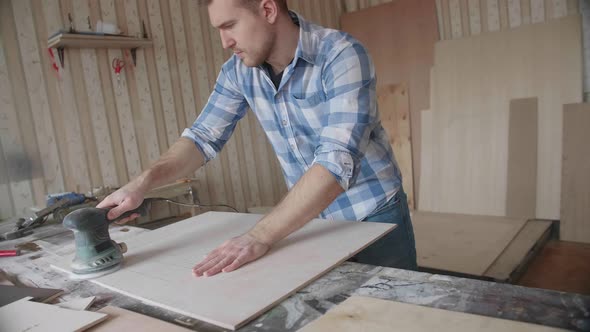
[142,209]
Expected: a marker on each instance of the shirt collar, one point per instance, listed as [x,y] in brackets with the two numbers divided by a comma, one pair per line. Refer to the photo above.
[306,45]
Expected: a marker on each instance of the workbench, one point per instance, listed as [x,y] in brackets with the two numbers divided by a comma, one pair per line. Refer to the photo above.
[492,299]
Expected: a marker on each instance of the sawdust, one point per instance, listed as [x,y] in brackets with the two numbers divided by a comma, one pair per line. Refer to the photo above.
[28,246]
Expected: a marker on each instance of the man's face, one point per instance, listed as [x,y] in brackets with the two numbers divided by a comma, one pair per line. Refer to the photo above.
[246,31]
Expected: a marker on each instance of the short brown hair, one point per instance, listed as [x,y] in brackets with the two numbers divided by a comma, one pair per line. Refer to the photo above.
[282,4]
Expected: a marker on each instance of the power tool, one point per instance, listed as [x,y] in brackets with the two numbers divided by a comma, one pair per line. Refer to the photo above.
[96,254]
[55,203]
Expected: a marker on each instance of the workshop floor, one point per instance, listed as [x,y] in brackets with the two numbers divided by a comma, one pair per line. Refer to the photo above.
[562,266]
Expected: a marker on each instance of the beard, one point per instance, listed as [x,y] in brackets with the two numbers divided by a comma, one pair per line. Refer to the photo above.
[257,57]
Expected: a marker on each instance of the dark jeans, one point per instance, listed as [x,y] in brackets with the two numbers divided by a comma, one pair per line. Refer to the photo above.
[398,247]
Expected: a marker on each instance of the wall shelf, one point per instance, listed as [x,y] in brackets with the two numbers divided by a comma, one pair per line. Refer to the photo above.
[90,40]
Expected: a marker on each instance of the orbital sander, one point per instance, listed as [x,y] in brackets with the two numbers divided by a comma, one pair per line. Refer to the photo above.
[96,253]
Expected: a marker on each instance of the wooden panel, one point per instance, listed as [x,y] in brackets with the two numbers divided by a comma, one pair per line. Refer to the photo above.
[113,130]
[125,320]
[515,253]
[462,243]
[521,191]
[78,304]
[426,199]
[402,50]
[37,97]
[474,17]
[122,99]
[514,13]
[474,81]
[16,174]
[231,299]
[537,11]
[89,41]
[67,101]
[575,176]
[394,110]
[359,313]
[11,294]
[45,317]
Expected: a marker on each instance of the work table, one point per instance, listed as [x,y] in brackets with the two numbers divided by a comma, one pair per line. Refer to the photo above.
[505,301]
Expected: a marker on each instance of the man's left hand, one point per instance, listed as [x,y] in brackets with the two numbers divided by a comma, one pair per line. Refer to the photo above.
[231,255]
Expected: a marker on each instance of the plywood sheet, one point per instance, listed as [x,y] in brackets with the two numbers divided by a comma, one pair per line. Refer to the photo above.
[521,193]
[124,320]
[575,195]
[518,249]
[359,313]
[24,315]
[462,243]
[9,294]
[474,80]
[394,111]
[158,265]
[400,37]
[78,304]
[426,171]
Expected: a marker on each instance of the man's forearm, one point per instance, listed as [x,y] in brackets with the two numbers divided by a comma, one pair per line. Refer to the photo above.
[312,194]
[181,159]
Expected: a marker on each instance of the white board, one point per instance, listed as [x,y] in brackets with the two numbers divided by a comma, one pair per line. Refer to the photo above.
[25,315]
[158,265]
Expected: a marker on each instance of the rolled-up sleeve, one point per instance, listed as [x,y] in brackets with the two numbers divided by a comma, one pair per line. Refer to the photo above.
[350,113]
[218,119]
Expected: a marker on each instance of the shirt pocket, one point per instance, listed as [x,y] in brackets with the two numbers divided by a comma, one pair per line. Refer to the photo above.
[308,100]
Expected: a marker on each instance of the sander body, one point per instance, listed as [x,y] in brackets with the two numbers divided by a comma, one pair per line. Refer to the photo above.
[96,253]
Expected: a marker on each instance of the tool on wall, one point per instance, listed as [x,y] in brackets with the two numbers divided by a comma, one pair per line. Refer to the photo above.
[55,202]
[118,64]
[54,63]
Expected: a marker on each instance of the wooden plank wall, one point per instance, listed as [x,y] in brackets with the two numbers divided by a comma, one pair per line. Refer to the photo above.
[77,129]
[462,18]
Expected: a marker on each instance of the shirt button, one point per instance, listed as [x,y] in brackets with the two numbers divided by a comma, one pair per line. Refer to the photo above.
[284,122]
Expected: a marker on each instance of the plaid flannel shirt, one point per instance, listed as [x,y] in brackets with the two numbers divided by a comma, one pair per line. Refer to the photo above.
[324,112]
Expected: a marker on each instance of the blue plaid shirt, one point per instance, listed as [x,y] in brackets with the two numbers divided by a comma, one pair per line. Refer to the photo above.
[324,112]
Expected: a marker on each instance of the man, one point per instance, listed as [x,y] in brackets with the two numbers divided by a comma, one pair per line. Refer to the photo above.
[313,91]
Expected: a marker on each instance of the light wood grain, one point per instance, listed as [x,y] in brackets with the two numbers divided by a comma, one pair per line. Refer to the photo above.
[515,253]
[17,182]
[462,243]
[394,110]
[359,313]
[157,267]
[120,319]
[402,51]
[40,111]
[575,175]
[474,81]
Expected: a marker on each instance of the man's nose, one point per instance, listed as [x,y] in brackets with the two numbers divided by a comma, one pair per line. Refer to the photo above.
[226,40]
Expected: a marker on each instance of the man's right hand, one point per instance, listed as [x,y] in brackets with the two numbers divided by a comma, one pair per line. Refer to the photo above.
[125,199]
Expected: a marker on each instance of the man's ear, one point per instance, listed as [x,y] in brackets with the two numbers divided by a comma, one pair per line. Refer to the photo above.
[269,10]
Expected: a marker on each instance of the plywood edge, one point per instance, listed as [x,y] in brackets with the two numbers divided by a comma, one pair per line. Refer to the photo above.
[514,256]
